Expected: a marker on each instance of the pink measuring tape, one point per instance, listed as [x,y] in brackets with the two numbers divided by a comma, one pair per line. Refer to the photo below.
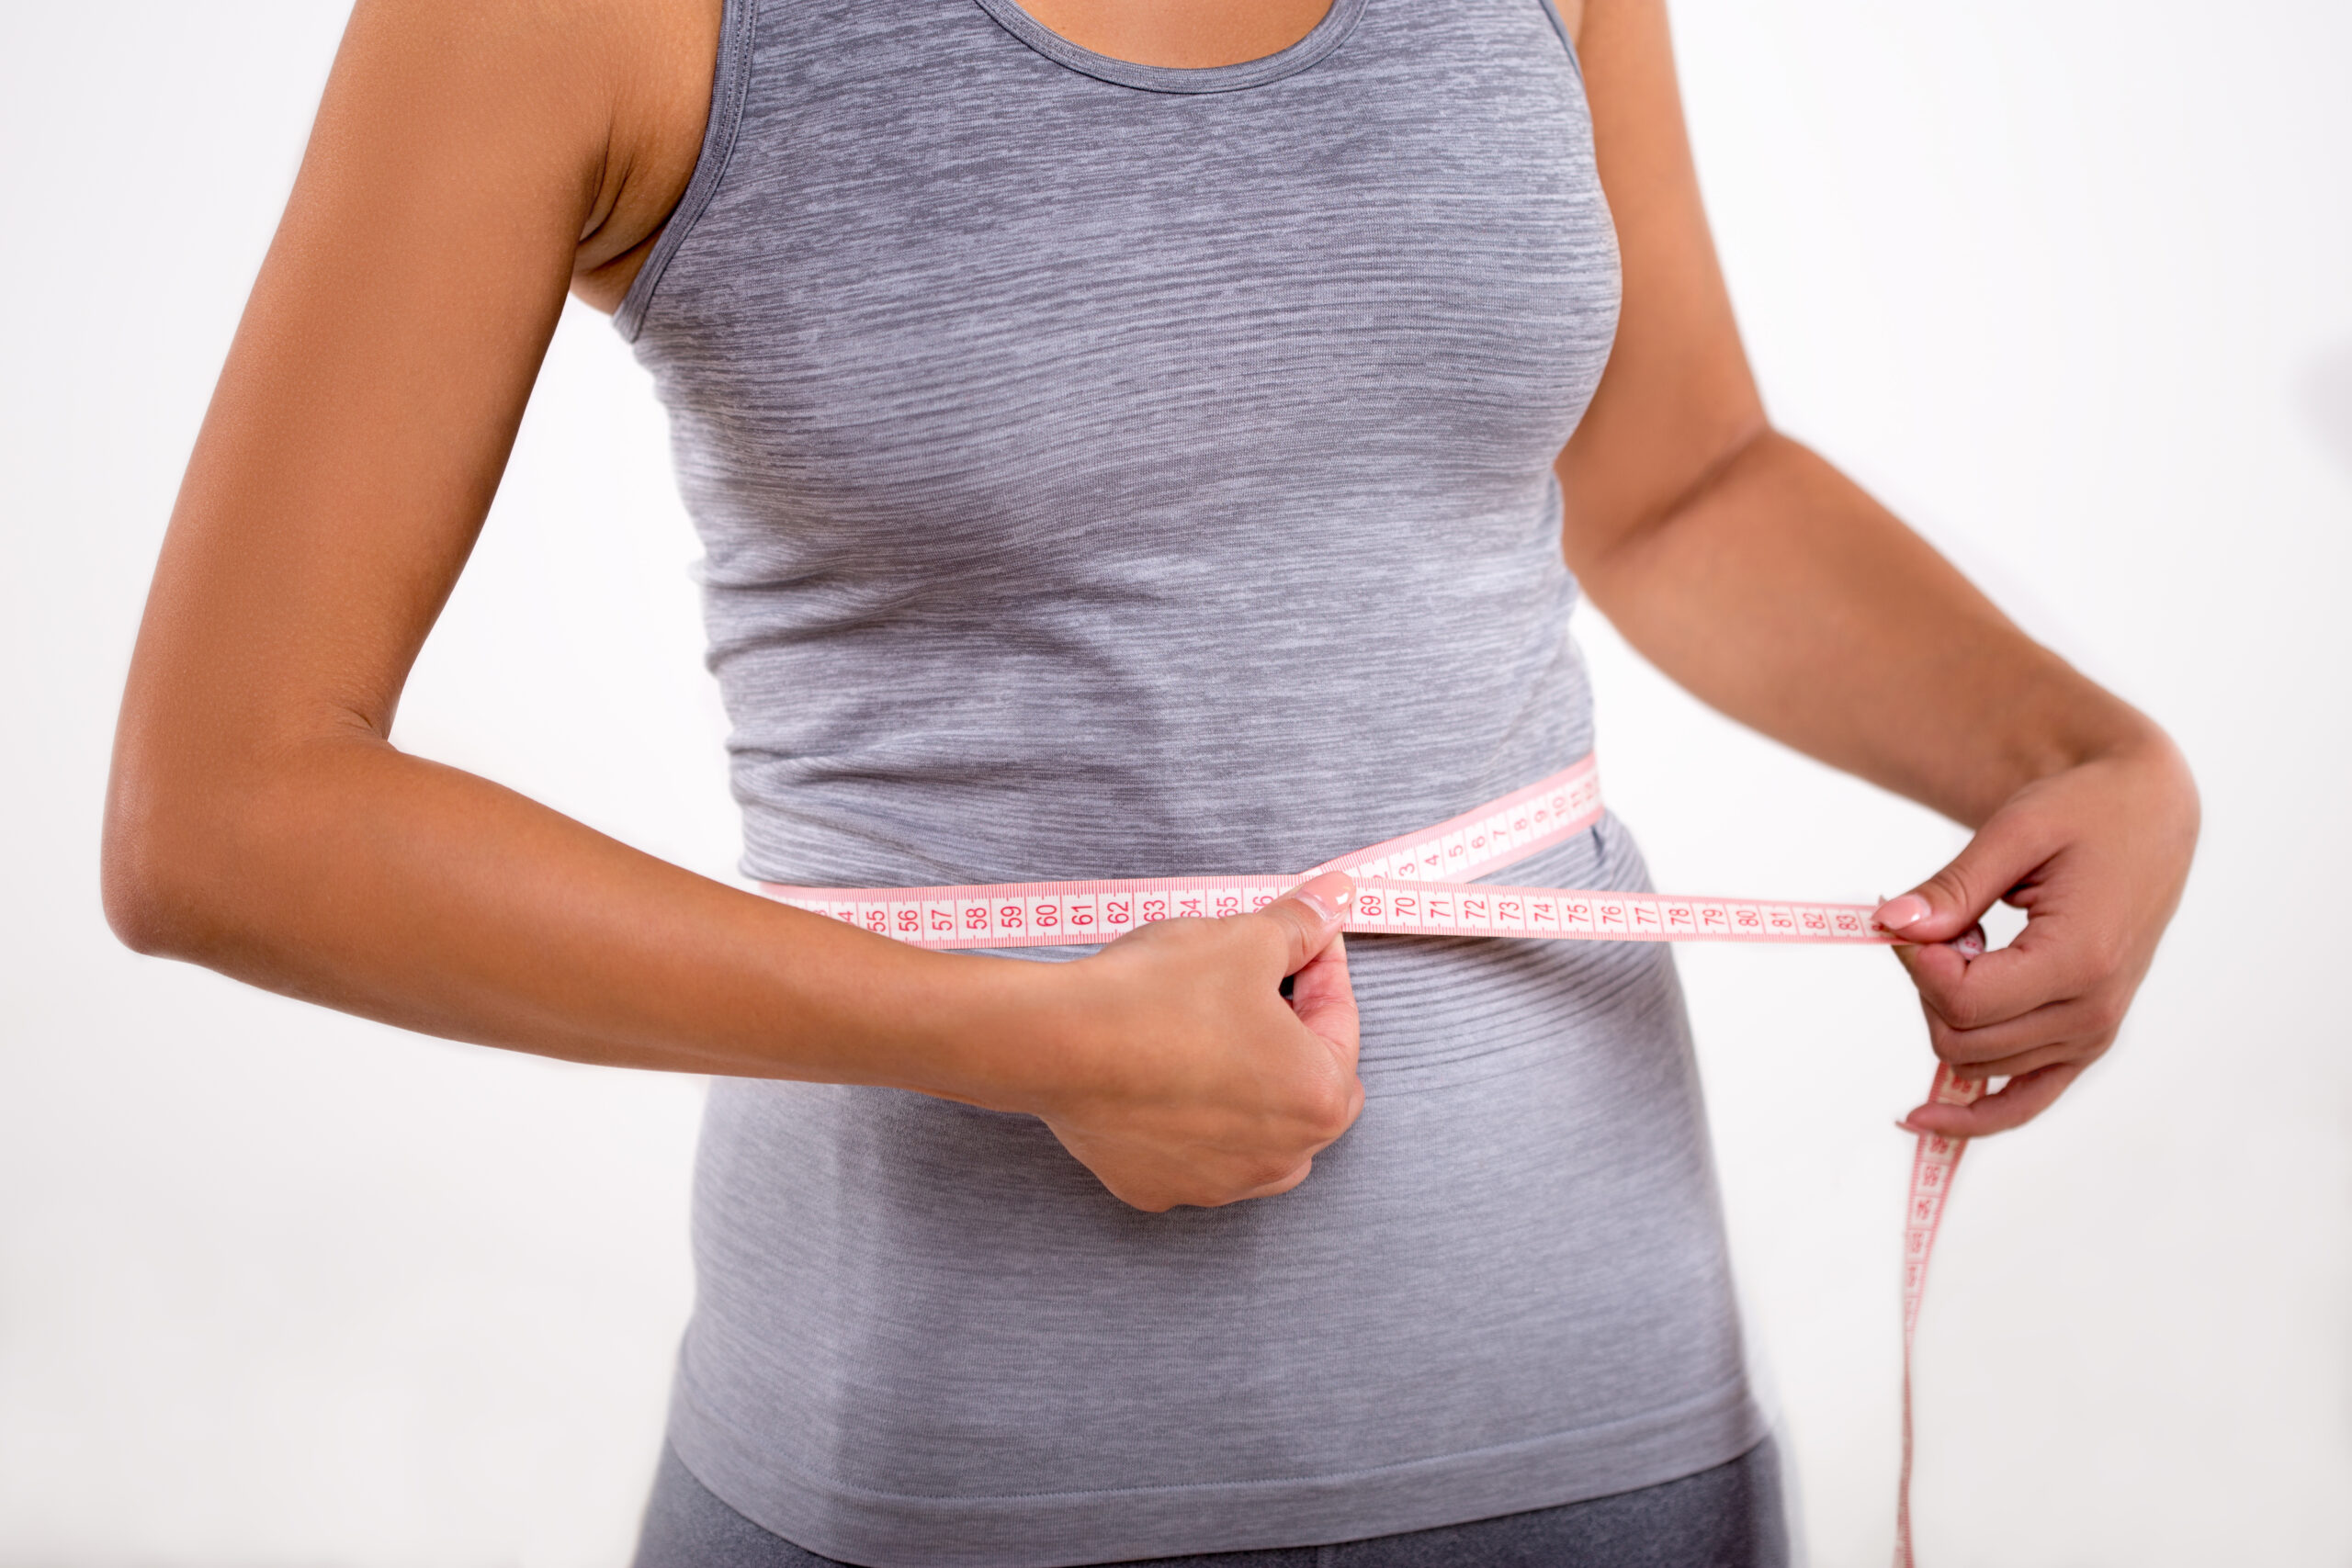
[1419,885]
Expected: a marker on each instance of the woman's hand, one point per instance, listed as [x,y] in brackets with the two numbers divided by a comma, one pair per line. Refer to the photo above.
[1185,1077]
[1770,585]
[2095,856]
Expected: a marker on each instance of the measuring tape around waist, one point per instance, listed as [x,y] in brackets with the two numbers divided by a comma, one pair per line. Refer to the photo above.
[1419,885]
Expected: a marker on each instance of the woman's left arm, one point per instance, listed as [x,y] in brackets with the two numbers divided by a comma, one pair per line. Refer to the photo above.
[1768,583]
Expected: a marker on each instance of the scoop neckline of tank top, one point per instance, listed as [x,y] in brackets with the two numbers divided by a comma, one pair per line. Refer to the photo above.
[1317,41]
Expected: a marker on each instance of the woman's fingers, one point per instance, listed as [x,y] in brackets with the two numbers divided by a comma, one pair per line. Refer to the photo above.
[2059,957]
[2039,1045]
[2081,1052]
[1325,1001]
[2006,850]
[2016,1102]
[2095,856]
[1320,994]
[2075,1019]
[2060,954]
[1200,1084]
[1305,920]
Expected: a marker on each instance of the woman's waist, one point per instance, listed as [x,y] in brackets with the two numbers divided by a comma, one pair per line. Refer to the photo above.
[1078,823]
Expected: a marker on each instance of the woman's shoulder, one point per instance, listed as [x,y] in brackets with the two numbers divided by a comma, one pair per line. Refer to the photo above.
[597,103]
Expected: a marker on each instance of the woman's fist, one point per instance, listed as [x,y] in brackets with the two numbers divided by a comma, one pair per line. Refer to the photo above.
[1191,1078]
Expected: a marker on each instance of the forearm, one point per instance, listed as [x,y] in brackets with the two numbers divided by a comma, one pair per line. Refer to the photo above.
[345,871]
[1782,595]
[1171,1065]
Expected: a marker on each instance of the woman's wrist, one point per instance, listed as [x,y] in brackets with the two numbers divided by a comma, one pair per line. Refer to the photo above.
[2075,724]
[998,1032]
[2126,738]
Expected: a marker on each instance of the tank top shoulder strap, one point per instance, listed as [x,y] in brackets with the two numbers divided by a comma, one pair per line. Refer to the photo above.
[731,83]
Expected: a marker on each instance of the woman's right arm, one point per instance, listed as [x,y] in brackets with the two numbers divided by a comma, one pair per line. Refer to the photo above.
[470,162]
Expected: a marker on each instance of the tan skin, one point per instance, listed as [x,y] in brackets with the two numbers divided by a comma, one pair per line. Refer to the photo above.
[473,159]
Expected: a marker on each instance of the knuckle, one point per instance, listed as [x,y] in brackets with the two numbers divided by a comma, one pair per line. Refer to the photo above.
[1331,1107]
[1952,882]
[1961,1013]
[1958,886]
[1239,1184]
[1266,1172]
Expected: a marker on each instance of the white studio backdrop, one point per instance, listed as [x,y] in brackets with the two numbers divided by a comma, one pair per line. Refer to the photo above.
[2068,283]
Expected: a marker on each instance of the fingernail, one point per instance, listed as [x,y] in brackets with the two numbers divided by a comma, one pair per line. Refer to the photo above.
[1326,900]
[1896,914]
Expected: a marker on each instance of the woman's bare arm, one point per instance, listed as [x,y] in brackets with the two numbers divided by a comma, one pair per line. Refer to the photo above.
[473,159]
[1766,581]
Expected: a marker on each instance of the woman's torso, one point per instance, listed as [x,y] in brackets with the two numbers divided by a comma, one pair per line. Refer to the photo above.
[1115,471]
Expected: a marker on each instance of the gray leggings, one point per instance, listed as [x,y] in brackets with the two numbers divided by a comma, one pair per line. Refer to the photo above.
[1729,1517]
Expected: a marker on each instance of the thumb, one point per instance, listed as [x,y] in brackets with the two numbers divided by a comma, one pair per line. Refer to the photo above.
[2004,852]
[1310,915]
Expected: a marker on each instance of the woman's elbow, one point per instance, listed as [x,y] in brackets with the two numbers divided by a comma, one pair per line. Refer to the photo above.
[142,883]
[159,876]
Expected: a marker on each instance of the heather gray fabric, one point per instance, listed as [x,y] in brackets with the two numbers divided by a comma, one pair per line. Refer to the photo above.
[1730,1517]
[1107,470]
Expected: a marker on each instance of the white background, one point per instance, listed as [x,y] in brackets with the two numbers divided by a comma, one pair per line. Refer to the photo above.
[2069,284]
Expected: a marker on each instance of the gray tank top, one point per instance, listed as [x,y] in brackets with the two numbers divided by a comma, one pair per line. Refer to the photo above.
[1115,471]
